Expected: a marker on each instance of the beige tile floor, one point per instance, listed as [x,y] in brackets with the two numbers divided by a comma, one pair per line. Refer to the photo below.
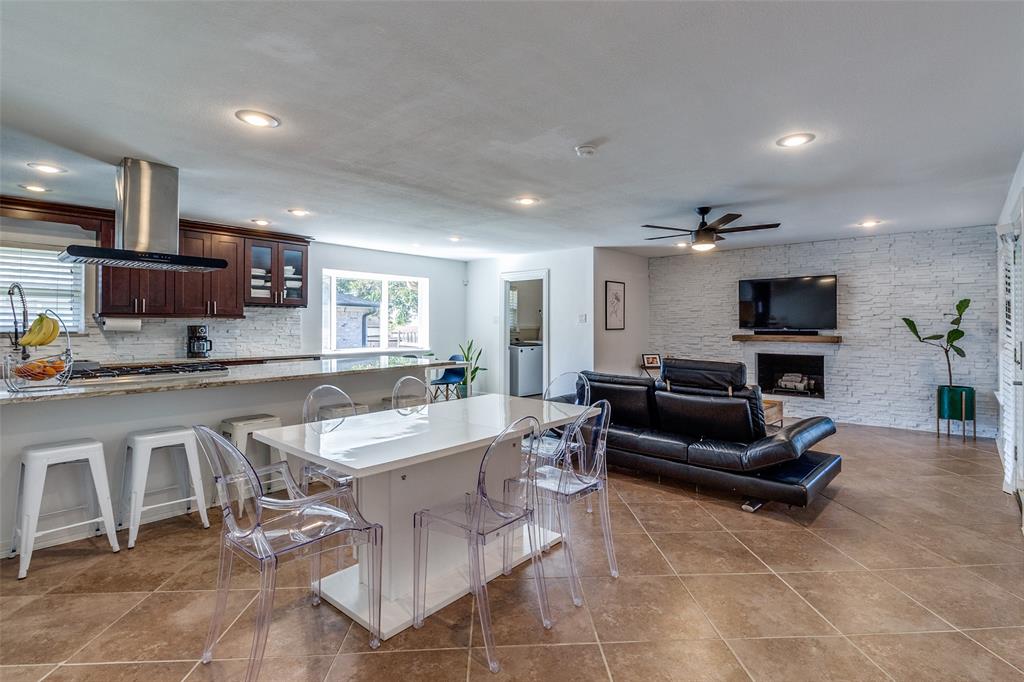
[911,568]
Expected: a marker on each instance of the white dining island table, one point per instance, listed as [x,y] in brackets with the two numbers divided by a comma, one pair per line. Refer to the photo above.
[406,460]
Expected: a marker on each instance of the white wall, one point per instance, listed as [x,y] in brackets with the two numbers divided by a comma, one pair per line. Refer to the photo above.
[1016,187]
[571,286]
[447,290]
[879,375]
[618,351]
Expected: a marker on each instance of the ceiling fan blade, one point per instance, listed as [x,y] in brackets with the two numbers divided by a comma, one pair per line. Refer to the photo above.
[724,220]
[667,236]
[659,227]
[719,238]
[749,228]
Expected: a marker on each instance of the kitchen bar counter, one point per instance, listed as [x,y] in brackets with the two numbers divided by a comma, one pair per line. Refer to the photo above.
[235,376]
[109,412]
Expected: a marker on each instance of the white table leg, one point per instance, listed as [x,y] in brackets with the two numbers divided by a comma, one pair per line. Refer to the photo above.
[391,499]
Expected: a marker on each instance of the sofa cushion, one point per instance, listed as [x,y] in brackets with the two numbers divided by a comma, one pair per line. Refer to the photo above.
[664,445]
[704,416]
[631,398]
[624,437]
[718,454]
[720,376]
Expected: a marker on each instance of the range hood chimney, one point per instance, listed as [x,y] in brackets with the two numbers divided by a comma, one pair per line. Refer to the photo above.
[145,224]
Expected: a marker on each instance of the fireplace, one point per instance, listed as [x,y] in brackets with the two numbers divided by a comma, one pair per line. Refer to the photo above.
[797,375]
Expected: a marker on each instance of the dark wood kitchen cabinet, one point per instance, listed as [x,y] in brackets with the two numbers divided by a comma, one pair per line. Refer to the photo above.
[129,291]
[160,293]
[276,272]
[210,294]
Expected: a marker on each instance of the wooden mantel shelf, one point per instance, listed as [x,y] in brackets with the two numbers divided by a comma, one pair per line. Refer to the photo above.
[786,338]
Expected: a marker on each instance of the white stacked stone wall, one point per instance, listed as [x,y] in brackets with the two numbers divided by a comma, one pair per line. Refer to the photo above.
[880,375]
[264,331]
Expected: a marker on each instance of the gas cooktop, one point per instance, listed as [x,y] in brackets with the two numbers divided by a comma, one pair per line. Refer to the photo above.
[135,373]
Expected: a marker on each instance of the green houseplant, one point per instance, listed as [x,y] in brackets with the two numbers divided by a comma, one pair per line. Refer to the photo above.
[472,355]
[952,402]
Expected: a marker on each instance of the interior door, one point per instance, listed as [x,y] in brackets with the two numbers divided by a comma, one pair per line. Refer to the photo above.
[192,289]
[226,284]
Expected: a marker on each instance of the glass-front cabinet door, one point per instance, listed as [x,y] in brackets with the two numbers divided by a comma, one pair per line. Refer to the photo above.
[293,259]
[261,264]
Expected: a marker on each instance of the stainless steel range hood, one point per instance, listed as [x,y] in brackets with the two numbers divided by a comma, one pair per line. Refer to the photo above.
[145,224]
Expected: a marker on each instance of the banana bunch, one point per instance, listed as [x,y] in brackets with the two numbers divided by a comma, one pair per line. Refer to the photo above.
[43,331]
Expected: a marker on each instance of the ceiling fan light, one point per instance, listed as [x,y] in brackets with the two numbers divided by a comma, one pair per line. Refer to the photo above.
[704,246]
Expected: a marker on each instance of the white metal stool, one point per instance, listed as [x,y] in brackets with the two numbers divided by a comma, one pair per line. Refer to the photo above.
[138,451]
[35,460]
[239,430]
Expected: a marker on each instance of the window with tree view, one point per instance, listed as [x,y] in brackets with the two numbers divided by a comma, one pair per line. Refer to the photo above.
[364,310]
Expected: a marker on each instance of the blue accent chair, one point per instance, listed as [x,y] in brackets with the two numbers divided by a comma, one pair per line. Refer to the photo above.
[447,382]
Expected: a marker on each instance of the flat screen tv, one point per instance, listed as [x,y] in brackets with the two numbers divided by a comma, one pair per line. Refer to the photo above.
[795,303]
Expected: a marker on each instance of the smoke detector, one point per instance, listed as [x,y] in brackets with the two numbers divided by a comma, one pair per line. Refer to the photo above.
[585,151]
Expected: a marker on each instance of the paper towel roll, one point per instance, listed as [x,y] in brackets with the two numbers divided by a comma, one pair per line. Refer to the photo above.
[119,324]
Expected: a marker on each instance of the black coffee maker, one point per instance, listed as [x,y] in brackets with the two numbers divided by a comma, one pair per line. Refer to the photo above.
[198,345]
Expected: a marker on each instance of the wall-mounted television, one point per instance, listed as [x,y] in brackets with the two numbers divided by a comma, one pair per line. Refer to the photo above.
[793,303]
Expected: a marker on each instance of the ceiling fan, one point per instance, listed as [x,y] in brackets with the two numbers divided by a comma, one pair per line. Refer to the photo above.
[704,237]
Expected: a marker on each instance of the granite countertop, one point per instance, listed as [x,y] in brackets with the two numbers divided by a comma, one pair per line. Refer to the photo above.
[235,376]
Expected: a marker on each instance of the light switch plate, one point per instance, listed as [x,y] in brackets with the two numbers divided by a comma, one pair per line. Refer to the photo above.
[581,318]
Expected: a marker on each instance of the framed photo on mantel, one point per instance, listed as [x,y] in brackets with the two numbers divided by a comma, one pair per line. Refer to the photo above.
[614,305]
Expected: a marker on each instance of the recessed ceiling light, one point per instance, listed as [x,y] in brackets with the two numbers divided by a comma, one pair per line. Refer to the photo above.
[870,223]
[455,238]
[795,140]
[46,168]
[585,151]
[298,212]
[262,222]
[526,201]
[257,118]
[34,188]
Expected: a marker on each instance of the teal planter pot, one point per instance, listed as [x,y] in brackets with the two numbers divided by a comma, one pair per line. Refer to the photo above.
[955,403]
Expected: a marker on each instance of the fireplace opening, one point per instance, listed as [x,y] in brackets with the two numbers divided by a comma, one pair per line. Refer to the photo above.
[800,375]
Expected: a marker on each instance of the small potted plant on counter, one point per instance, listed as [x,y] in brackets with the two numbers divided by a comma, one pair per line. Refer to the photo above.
[472,355]
[951,402]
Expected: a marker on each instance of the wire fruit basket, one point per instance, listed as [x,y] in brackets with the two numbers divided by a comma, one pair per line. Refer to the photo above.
[21,373]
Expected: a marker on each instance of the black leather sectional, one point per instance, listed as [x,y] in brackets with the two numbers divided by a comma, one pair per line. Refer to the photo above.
[700,422]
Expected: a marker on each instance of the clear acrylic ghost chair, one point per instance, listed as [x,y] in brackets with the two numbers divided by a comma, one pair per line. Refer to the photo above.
[277,530]
[572,388]
[569,387]
[480,518]
[410,392]
[327,406]
[581,474]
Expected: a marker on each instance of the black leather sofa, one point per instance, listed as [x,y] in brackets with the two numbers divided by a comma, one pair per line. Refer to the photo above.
[700,422]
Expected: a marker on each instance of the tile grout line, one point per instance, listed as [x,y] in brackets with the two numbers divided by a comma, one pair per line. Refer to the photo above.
[944,620]
[802,598]
[696,603]
[915,601]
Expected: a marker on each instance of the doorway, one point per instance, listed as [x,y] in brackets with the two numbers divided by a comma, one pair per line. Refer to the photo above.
[524,333]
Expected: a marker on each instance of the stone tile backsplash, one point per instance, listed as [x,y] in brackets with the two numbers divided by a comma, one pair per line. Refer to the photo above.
[879,375]
[263,331]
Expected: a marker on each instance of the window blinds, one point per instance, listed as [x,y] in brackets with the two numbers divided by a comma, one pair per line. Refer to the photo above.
[47,282]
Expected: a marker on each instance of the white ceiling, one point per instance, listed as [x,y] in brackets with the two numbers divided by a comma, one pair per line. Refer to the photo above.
[404,123]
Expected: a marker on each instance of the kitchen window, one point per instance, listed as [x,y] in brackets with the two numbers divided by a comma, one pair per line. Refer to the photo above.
[47,282]
[366,311]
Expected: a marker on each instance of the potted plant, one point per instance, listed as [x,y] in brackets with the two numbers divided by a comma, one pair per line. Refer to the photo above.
[472,355]
[952,402]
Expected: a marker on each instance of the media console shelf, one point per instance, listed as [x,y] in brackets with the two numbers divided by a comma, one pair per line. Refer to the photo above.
[786,338]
